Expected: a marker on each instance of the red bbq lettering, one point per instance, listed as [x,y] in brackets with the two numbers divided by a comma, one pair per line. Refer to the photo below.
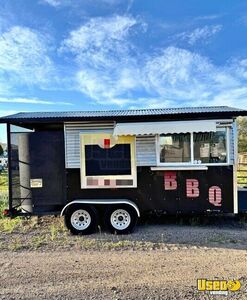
[170,181]
[192,188]
[215,195]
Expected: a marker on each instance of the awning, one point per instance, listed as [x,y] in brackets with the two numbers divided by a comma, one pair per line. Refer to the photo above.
[144,128]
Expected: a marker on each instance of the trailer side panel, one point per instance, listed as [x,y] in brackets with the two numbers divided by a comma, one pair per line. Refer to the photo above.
[170,191]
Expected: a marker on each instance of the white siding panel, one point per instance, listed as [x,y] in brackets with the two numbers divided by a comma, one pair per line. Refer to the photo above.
[145,145]
[72,139]
[145,151]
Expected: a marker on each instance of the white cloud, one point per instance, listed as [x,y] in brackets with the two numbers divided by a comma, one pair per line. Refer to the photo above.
[7,112]
[32,101]
[186,78]
[208,17]
[82,3]
[5,87]
[111,70]
[231,97]
[178,74]
[101,39]
[3,133]
[105,56]
[24,57]
[3,129]
[54,3]
[200,34]
[137,102]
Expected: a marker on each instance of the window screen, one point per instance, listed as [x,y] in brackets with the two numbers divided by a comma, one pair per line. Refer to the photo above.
[109,161]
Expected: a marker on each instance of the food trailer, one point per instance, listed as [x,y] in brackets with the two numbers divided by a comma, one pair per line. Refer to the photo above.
[116,166]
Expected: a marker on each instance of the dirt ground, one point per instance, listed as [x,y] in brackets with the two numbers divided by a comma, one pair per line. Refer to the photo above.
[158,261]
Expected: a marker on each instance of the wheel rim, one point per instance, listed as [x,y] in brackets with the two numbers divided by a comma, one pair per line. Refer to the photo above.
[80,219]
[120,219]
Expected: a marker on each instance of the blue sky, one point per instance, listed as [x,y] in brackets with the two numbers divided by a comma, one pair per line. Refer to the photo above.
[118,54]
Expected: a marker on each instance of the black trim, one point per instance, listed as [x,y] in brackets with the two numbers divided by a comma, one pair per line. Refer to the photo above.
[9,167]
[128,115]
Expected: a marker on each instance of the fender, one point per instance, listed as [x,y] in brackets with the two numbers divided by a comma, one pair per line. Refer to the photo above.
[102,201]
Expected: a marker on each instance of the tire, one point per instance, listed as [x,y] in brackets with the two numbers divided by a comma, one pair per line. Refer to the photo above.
[121,219]
[81,219]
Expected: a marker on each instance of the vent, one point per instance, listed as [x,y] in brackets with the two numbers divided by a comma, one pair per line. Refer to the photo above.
[145,151]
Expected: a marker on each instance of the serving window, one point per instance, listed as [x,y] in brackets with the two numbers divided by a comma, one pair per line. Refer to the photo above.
[175,148]
[211,147]
[193,148]
[107,162]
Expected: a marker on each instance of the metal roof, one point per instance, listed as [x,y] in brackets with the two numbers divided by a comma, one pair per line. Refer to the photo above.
[122,114]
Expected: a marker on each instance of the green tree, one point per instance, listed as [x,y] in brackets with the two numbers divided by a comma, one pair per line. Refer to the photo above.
[1,149]
[242,134]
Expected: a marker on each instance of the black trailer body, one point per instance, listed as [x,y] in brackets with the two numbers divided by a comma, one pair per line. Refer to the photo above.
[122,164]
[37,171]
[168,191]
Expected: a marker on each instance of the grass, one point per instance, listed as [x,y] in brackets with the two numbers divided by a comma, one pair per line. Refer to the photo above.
[219,238]
[56,230]
[3,192]
[16,245]
[3,204]
[3,181]
[38,241]
[10,225]
[50,233]
[53,232]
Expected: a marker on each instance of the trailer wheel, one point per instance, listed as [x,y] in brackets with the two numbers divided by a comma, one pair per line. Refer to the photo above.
[121,219]
[81,219]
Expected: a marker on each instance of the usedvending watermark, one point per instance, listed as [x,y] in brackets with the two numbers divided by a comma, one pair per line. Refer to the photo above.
[218,287]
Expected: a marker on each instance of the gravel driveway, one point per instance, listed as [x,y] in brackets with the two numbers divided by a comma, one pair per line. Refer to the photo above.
[158,261]
[118,275]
